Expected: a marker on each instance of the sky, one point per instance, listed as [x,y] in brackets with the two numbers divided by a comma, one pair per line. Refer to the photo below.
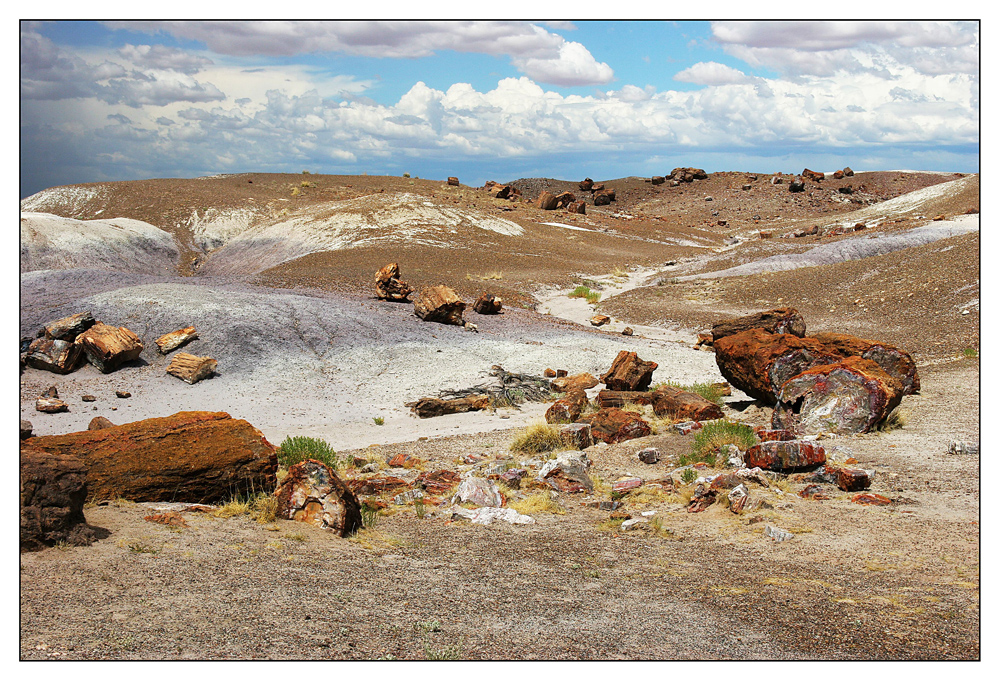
[496,100]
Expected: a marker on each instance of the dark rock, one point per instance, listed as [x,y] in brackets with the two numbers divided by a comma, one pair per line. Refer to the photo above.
[487,303]
[649,455]
[26,429]
[53,489]
[567,409]
[894,361]
[57,356]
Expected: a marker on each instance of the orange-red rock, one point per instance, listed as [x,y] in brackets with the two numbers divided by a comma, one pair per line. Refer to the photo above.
[784,455]
[628,372]
[312,493]
[894,361]
[614,425]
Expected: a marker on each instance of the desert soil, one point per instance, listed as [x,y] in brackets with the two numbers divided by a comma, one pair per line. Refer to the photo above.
[304,349]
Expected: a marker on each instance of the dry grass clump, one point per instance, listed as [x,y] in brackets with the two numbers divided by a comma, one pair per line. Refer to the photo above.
[262,507]
[537,503]
[537,439]
[897,419]
[709,391]
[714,436]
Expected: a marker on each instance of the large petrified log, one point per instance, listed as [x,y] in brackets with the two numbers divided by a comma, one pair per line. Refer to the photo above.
[427,407]
[853,395]
[193,456]
[758,362]
[619,398]
[440,304]
[894,361]
[68,328]
[568,408]
[175,339]
[191,368]
[57,356]
[614,425]
[312,493]
[784,455]
[547,201]
[388,285]
[780,320]
[684,405]
[108,347]
[628,372]
[53,491]
[487,303]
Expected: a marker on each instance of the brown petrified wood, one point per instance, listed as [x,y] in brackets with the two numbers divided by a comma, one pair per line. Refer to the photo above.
[619,398]
[758,362]
[684,405]
[312,493]
[628,372]
[452,181]
[438,482]
[568,408]
[50,405]
[781,320]
[175,339]
[576,435]
[388,285]
[68,328]
[194,456]
[853,395]
[614,425]
[57,356]
[487,303]
[599,320]
[427,407]
[100,423]
[546,201]
[376,485]
[191,368]
[894,361]
[108,347]
[581,381]
[53,490]
[440,304]
[784,455]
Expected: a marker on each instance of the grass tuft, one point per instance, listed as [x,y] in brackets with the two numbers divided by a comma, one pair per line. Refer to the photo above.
[297,449]
[539,502]
[536,439]
[709,391]
[897,419]
[262,507]
[716,434]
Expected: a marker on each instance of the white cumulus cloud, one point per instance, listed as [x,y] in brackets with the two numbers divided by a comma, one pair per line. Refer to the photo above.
[711,73]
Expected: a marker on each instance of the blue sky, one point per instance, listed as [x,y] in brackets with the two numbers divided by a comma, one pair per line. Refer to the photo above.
[493,100]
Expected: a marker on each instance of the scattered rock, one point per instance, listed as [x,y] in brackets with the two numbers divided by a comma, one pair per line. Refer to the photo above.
[633,523]
[701,499]
[599,320]
[625,484]
[53,489]
[512,477]
[438,482]
[108,347]
[581,381]
[627,331]
[123,394]
[813,492]
[169,518]
[388,285]
[453,181]
[99,423]
[546,201]
[613,425]
[784,455]
[376,485]
[58,356]
[68,328]
[657,179]
[576,435]
[479,491]
[813,175]
[567,409]
[870,499]
[89,398]
[628,372]
[175,339]
[487,514]
[738,498]
[772,435]
[428,407]
[797,185]
[957,447]
[487,303]
[404,460]
[191,368]
[407,497]
[682,404]
[602,199]
[50,405]
[567,473]
[649,455]
[781,320]
[853,479]
[586,185]
[26,429]
[312,493]
[777,534]
[687,427]
[440,304]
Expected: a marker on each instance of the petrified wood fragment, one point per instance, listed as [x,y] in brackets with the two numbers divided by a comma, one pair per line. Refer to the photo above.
[191,368]
[547,201]
[784,455]
[628,372]
[193,456]
[894,361]
[599,320]
[50,405]
[438,482]
[440,304]
[619,398]
[57,356]
[377,485]
[682,404]
[175,339]
[388,285]
[53,490]
[427,407]
[853,395]
[108,347]
[567,409]
[487,303]
[581,381]
[758,362]
[312,493]
[576,435]
[68,328]
[614,425]
[781,320]
[26,429]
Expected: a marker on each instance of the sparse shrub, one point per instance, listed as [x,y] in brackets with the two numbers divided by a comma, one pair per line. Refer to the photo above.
[538,438]
[297,449]
[379,421]
[369,515]
[406,175]
[593,297]
[580,292]
[262,507]
[714,435]
[970,353]
[296,191]
[689,476]
[306,172]
[539,502]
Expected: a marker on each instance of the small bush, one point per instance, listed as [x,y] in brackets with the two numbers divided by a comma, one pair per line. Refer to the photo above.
[406,175]
[369,515]
[262,507]
[580,292]
[970,353]
[714,435]
[379,421]
[297,449]
[689,476]
[593,297]
[537,439]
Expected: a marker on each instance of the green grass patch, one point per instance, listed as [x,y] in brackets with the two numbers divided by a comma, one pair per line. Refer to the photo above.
[713,436]
[297,449]
[709,391]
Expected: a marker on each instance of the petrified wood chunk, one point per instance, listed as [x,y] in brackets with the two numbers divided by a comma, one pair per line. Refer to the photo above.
[193,456]
[488,303]
[499,191]
[567,473]
[895,362]
[453,181]
[619,398]
[586,185]
[783,455]
[628,372]
[191,368]
[427,407]
[576,435]
[614,425]
[173,340]
[781,320]
[564,199]
[312,493]
[547,201]
[567,409]
[440,304]
[99,423]
[581,381]
[853,479]
[108,347]
[57,356]
[813,175]
[50,405]
[438,482]
[682,404]
[53,491]
[599,320]
[388,285]
[578,207]
[853,395]
[602,199]
[758,362]
[376,485]
[26,429]
[68,328]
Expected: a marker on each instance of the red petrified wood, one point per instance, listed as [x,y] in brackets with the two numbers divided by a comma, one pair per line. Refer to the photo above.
[312,493]
[784,455]
[628,372]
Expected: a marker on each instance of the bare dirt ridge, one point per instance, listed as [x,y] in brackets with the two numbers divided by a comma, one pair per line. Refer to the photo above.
[277,272]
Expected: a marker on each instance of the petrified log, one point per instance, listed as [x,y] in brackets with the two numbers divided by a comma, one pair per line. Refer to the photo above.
[68,328]
[312,493]
[586,185]
[895,362]
[57,356]
[388,285]
[377,485]
[173,340]
[784,455]
[577,207]
[191,368]
[564,199]
[853,395]
[628,372]
[781,320]
[488,303]
[576,435]
[500,191]
[427,407]
[53,491]
[581,381]
[567,409]
[758,362]
[440,304]
[599,320]
[100,423]
[108,347]
[685,405]
[657,179]
[797,185]
[614,425]
[619,398]
[452,181]
[193,456]
[813,175]
[546,201]
[602,199]
[50,405]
